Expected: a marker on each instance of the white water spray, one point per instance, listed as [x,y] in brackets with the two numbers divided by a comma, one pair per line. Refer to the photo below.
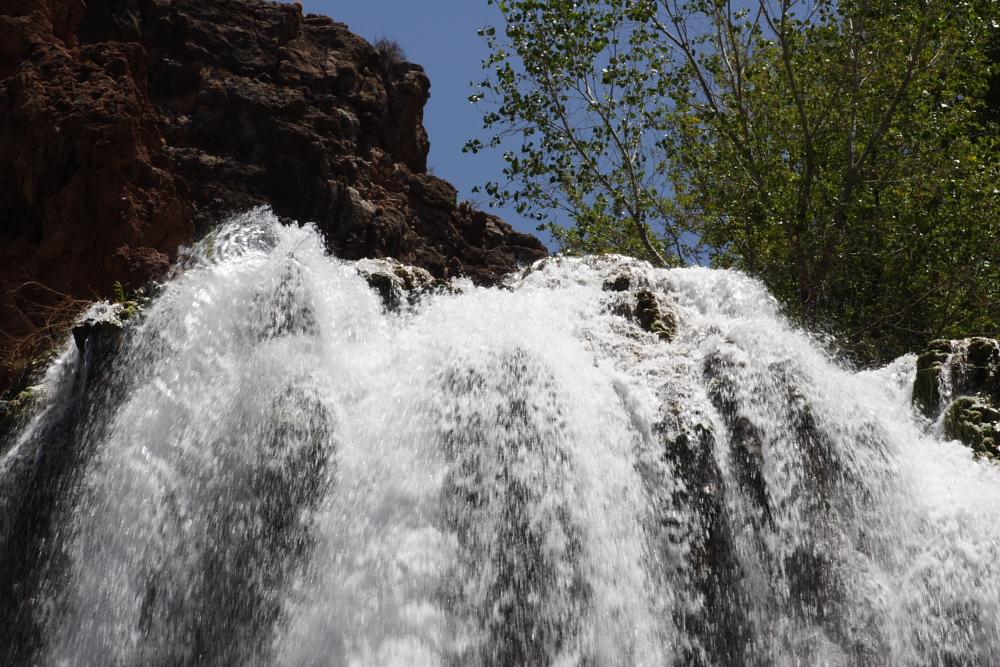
[277,471]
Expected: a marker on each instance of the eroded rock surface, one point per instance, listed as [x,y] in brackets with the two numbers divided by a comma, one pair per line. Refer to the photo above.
[87,197]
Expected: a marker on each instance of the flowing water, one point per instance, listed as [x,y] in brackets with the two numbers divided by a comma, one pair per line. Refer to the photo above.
[271,468]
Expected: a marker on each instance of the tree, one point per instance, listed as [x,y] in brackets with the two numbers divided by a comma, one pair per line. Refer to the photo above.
[589,99]
[838,151]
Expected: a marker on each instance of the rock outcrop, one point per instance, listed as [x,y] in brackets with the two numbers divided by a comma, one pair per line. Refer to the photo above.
[127,124]
[960,379]
[261,104]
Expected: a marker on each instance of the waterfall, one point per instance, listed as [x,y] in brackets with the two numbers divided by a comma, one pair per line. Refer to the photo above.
[269,466]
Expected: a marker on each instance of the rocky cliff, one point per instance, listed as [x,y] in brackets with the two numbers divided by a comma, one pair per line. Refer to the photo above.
[126,125]
[86,195]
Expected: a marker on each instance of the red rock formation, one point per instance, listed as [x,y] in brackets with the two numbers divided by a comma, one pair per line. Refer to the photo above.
[27,25]
[262,105]
[246,102]
[86,196]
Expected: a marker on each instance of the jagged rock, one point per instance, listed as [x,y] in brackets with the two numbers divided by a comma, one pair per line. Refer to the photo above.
[397,283]
[28,25]
[642,307]
[103,329]
[619,284]
[86,196]
[262,105]
[434,192]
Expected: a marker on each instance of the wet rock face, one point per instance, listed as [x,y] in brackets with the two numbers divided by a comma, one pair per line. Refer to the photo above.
[652,318]
[960,379]
[926,396]
[261,104]
[973,421]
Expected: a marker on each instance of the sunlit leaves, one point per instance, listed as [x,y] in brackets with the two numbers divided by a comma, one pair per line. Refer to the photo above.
[586,79]
[835,149]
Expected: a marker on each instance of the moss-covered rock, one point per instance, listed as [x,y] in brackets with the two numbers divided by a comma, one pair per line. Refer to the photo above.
[652,318]
[926,394]
[952,368]
[387,288]
[130,309]
[958,381]
[13,410]
[981,352]
[620,283]
[398,283]
[975,423]
[105,321]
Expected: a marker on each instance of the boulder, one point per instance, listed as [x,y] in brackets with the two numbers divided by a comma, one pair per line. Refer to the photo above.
[398,284]
[975,423]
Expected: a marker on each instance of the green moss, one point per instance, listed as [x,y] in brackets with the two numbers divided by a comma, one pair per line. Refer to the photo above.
[14,410]
[406,276]
[396,282]
[652,319]
[981,352]
[975,424]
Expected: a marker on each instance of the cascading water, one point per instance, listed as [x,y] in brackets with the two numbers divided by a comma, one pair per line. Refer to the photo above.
[272,469]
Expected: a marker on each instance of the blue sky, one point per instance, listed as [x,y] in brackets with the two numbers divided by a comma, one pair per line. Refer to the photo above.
[442,36]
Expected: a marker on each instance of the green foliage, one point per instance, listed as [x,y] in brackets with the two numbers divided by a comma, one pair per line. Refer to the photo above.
[120,297]
[838,151]
[589,100]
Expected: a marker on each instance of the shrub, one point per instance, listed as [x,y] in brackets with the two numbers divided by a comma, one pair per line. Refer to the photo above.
[390,53]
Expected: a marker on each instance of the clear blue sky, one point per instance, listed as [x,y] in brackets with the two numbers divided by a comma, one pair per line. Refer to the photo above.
[442,36]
